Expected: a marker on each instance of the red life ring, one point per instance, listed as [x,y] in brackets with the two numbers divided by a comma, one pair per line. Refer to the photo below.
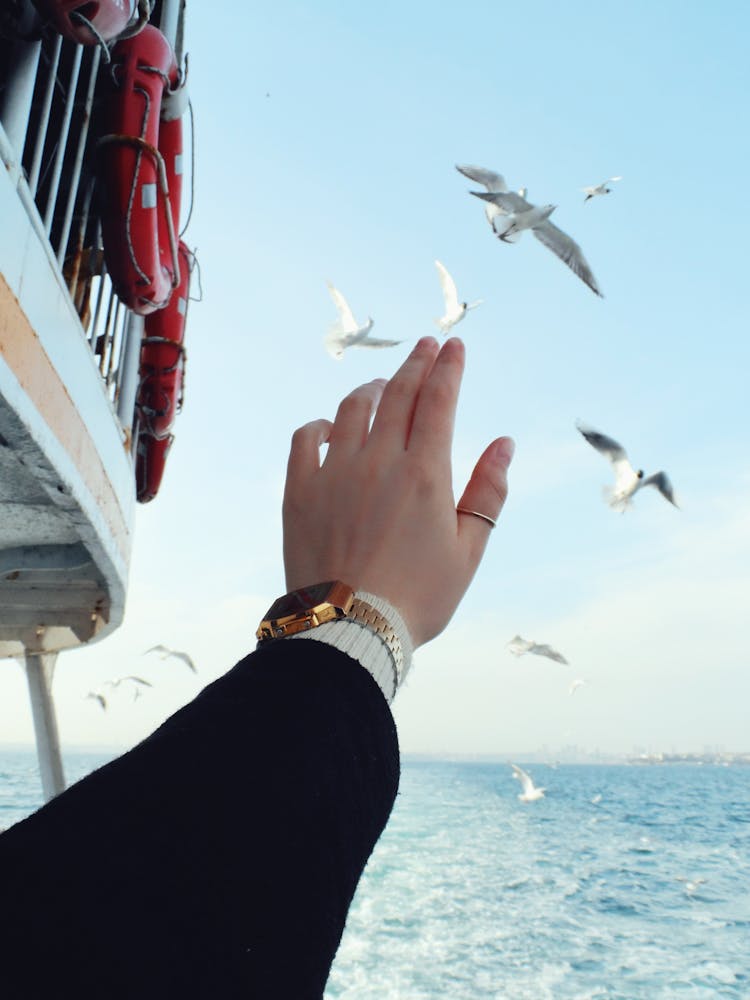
[139,171]
[162,370]
[159,397]
[150,459]
[75,19]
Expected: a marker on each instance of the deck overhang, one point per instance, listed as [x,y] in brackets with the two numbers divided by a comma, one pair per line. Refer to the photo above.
[67,494]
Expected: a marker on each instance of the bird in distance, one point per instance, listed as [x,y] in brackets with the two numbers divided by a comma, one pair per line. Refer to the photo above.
[529,792]
[597,189]
[166,652]
[519,646]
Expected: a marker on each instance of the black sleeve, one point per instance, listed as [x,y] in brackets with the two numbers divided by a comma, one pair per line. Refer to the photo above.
[218,858]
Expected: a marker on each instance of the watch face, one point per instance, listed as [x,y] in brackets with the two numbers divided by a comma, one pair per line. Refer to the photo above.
[300,600]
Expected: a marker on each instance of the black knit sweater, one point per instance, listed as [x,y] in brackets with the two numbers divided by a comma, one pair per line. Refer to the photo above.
[218,858]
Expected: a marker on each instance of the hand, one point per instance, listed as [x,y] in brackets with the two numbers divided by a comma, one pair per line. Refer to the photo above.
[379,513]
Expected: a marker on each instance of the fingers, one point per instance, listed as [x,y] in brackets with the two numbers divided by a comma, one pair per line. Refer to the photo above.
[432,426]
[393,420]
[304,454]
[352,423]
[485,493]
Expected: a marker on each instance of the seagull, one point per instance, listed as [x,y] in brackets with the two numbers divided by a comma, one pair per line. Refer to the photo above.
[137,680]
[691,884]
[347,332]
[98,696]
[520,214]
[454,310]
[519,646]
[167,652]
[577,683]
[530,792]
[627,480]
[595,189]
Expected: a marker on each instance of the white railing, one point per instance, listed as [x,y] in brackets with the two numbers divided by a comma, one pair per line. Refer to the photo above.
[46,105]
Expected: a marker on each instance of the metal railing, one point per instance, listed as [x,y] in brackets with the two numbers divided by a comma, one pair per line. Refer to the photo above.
[47,104]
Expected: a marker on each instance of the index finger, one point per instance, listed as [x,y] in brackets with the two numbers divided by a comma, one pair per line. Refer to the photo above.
[432,426]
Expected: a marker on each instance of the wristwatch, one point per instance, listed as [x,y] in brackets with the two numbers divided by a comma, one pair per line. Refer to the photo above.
[305,608]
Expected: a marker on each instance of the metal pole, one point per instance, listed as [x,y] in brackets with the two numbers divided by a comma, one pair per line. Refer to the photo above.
[128,375]
[36,163]
[39,670]
[169,21]
[16,103]
[62,143]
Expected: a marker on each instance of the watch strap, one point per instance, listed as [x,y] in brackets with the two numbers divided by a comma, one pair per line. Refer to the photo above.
[375,635]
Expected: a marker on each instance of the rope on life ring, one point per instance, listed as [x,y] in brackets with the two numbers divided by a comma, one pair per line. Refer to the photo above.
[140,171]
[145,147]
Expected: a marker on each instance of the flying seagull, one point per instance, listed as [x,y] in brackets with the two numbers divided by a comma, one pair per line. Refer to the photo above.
[454,310]
[627,480]
[347,332]
[131,677]
[577,683]
[529,793]
[519,646]
[521,215]
[166,652]
[595,189]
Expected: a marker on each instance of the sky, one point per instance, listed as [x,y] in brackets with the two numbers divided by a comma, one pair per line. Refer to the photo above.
[326,139]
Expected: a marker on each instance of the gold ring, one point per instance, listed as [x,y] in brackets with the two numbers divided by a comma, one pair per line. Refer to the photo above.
[484,517]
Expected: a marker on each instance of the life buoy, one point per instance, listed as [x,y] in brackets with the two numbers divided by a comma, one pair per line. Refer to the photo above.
[140,171]
[162,371]
[88,23]
[162,364]
[150,459]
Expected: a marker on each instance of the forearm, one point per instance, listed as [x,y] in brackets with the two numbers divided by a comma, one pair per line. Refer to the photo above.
[219,856]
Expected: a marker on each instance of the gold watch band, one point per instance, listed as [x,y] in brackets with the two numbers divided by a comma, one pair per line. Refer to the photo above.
[364,614]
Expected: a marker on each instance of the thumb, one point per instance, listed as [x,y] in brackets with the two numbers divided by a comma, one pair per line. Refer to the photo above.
[485,494]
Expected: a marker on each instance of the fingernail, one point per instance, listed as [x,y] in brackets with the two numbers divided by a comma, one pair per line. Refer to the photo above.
[424,342]
[503,451]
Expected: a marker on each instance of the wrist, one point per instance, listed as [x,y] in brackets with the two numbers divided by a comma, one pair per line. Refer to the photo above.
[375,634]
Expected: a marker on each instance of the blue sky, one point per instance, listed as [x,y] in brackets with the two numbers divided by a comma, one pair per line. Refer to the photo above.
[345,172]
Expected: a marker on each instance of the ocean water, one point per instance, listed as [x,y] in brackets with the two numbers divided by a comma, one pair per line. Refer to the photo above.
[623,882]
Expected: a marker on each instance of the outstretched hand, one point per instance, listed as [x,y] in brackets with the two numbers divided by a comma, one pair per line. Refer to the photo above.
[379,512]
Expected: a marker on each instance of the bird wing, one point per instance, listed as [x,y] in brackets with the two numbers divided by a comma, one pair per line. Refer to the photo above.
[606,445]
[185,659]
[613,179]
[491,180]
[158,649]
[549,652]
[509,201]
[377,342]
[526,783]
[450,293]
[568,251]
[661,481]
[346,316]
[137,680]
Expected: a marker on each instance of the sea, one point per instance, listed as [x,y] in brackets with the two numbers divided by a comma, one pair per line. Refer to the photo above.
[626,882]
